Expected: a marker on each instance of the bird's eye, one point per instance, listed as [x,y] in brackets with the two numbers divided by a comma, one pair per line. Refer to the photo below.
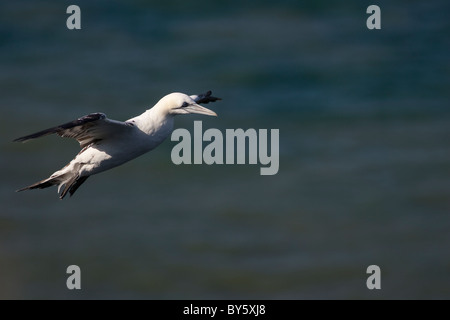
[185,104]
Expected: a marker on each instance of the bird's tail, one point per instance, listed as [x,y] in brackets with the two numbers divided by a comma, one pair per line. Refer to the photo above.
[70,180]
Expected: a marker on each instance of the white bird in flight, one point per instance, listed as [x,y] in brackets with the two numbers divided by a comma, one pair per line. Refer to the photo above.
[107,143]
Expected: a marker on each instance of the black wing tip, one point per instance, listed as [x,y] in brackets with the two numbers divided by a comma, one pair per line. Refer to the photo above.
[207,97]
[31,136]
[80,121]
[21,139]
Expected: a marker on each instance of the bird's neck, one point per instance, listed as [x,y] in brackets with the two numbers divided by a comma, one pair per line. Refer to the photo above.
[155,123]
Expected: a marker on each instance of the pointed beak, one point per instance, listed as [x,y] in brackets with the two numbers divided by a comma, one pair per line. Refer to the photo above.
[196,108]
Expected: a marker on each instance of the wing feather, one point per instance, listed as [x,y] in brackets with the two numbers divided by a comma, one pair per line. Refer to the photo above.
[87,129]
[204,98]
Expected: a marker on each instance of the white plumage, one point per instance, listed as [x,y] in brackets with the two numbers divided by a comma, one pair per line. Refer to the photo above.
[109,143]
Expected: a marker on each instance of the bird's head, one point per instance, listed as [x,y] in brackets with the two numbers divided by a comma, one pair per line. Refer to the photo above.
[179,103]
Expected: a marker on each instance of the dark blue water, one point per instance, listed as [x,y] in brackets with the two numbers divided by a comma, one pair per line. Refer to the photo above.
[364,153]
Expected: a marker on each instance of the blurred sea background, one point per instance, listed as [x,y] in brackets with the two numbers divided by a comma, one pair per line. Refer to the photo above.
[364,178]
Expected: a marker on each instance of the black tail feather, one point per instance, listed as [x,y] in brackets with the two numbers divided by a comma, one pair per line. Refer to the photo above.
[77,184]
[67,184]
[70,184]
[41,184]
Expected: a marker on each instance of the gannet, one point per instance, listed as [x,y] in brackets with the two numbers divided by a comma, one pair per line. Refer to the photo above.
[107,143]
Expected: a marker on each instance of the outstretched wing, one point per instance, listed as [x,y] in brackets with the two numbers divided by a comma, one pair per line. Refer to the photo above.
[90,128]
[204,98]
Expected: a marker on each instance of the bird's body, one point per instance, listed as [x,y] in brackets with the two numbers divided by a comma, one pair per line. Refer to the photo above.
[108,143]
